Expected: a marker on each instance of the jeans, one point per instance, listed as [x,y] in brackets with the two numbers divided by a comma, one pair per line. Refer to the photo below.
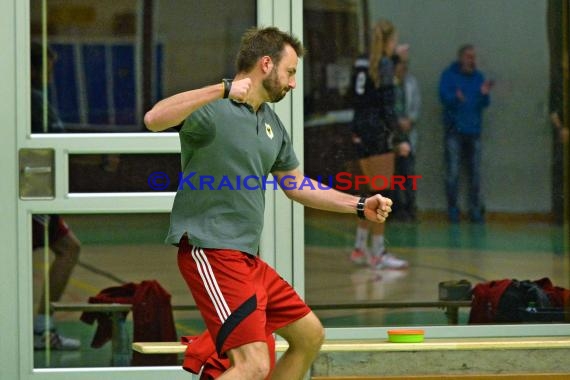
[460,147]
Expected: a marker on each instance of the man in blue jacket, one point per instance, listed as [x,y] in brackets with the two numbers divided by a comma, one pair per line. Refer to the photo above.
[464,93]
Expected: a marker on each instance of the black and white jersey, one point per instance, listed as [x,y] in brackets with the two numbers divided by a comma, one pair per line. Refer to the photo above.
[364,93]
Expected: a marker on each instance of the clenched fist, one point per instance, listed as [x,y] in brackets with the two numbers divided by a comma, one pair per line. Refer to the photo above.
[377,208]
[240,89]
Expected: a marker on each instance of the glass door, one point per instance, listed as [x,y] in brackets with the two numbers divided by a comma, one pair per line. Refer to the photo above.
[94,187]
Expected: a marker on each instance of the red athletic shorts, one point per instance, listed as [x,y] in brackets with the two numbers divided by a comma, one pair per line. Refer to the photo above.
[240,297]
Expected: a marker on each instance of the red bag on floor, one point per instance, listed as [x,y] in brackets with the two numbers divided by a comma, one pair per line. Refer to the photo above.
[485,302]
[513,301]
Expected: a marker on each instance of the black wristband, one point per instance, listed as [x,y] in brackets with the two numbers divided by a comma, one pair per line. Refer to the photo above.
[360,207]
[227,87]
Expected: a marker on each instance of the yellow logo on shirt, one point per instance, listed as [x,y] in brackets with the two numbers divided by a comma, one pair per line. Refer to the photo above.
[269,131]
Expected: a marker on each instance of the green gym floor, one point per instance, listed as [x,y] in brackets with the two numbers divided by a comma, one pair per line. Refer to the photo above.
[123,248]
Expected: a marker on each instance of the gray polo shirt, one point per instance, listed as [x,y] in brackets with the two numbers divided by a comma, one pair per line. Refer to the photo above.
[228,152]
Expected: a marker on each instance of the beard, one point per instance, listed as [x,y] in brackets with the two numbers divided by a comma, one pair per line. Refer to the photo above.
[275,91]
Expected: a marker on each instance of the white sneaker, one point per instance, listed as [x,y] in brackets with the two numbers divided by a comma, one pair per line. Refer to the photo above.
[56,342]
[387,261]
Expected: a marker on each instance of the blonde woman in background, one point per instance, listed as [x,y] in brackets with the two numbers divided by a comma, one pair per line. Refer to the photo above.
[373,126]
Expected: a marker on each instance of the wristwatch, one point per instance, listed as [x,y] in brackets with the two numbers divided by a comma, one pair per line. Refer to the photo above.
[227,87]
[360,207]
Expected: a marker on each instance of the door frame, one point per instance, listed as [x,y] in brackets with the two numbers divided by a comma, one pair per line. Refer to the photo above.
[16,346]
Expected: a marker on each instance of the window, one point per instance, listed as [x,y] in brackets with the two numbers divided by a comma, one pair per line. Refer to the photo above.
[521,167]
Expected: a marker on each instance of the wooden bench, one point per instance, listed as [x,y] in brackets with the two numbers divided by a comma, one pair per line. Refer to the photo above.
[465,344]
[384,345]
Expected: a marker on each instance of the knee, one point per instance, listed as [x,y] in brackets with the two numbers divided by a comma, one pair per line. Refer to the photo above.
[259,369]
[254,369]
[72,253]
[317,337]
[305,335]
[68,251]
[252,362]
[313,337]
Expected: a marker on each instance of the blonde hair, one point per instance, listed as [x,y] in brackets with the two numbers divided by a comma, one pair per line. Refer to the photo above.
[381,34]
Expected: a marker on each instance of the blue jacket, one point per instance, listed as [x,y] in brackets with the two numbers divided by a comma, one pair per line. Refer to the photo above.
[462,116]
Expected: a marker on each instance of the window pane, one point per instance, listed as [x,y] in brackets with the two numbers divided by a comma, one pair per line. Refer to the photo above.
[104,64]
[111,173]
[92,253]
[521,236]
[107,62]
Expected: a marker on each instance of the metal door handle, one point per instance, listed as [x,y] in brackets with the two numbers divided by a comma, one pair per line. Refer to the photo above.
[37,173]
[31,170]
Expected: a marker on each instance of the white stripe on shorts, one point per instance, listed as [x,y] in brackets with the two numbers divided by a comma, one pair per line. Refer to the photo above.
[210,283]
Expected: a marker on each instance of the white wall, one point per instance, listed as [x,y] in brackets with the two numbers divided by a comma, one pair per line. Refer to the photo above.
[511,41]
[200,40]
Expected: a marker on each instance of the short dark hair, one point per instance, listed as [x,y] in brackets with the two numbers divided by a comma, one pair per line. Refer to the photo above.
[256,43]
[463,48]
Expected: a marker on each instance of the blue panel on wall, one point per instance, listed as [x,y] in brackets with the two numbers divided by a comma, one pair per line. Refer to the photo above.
[124,84]
[95,71]
[65,82]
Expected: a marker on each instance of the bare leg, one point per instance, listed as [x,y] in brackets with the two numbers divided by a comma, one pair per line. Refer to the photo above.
[378,228]
[250,361]
[66,252]
[305,338]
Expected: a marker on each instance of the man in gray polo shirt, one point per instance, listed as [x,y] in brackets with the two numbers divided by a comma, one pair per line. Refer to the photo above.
[230,154]
[231,141]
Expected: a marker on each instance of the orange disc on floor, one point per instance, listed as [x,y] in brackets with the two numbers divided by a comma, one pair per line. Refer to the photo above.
[406,336]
